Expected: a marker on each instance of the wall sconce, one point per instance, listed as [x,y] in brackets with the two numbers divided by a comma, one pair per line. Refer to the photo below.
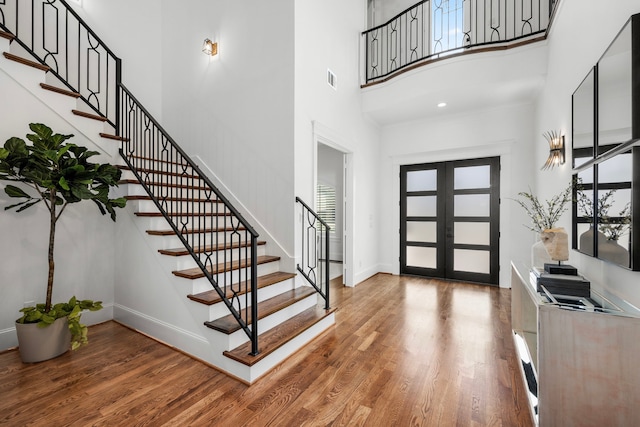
[209,47]
[556,149]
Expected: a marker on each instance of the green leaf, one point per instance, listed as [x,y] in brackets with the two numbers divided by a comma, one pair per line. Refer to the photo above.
[28,205]
[81,192]
[16,146]
[13,191]
[63,183]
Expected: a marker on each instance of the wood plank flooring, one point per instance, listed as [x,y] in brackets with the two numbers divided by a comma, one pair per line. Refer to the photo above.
[404,352]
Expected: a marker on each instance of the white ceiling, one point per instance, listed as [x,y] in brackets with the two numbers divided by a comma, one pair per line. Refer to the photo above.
[466,83]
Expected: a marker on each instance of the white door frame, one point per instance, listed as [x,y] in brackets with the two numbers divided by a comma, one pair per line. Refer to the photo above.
[324,135]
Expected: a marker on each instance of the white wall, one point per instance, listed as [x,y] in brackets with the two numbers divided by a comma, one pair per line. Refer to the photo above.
[132,30]
[235,110]
[580,34]
[504,132]
[326,39]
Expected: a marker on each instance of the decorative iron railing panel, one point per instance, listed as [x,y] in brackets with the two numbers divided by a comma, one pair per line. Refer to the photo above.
[433,28]
[315,259]
[56,36]
[222,243]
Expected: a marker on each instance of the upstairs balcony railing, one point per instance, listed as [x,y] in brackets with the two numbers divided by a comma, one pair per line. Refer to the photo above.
[434,28]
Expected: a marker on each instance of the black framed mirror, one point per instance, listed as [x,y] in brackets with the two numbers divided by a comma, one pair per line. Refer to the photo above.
[606,153]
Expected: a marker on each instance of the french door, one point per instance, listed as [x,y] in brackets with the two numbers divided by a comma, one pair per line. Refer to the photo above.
[450,220]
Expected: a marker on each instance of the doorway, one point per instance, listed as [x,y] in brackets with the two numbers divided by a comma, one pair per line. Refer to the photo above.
[450,220]
[330,203]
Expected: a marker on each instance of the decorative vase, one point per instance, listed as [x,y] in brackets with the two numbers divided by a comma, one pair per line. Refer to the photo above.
[611,250]
[539,255]
[38,344]
[585,241]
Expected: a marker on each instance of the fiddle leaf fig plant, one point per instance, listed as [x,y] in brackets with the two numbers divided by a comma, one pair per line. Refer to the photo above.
[58,174]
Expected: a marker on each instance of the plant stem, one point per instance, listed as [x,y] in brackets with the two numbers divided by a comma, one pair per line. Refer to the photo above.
[52,235]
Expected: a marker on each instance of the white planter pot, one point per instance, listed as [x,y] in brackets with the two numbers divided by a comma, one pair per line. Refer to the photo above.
[38,344]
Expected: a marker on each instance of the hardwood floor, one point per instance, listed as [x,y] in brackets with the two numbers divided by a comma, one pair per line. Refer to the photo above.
[404,352]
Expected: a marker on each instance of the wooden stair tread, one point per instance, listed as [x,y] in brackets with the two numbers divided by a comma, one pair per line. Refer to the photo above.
[27,62]
[166,184]
[193,231]
[89,115]
[220,247]
[6,35]
[276,337]
[211,297]
[114,137]
[183,214]
[173,199]
[228,324]
[60,90]
[196,273]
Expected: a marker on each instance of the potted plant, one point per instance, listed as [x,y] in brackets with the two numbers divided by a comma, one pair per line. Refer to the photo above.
[60,174]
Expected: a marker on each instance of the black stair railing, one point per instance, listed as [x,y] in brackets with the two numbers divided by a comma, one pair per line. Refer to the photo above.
[222,243]
[54,34]
[433,28]
[314,265]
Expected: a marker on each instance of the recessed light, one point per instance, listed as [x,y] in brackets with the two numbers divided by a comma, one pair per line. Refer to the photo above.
[442,105]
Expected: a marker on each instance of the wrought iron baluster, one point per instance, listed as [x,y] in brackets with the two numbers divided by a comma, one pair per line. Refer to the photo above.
[392,46]
[311,232]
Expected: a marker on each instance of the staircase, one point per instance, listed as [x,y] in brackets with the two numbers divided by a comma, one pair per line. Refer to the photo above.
[248,316]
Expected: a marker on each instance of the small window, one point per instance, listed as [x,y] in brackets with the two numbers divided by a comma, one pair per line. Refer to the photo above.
[327,205]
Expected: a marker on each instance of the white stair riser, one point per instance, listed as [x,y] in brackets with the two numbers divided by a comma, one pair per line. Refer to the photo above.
[219,310]
[191,222]
[240,337]
[202,284]
[172,241]
[173,206]
[4,45]
[177,176]
[148,164]
[137,190]
[185,262]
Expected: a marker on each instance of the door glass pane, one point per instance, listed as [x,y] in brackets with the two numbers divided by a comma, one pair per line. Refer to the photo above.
[472,233]
[421,231]
[424,180]
[471,205]
[421,205]
[472,177]
[471,261]
[421,257]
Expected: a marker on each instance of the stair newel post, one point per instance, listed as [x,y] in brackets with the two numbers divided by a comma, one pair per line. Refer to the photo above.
[254,295]
[118,96]
[326,266]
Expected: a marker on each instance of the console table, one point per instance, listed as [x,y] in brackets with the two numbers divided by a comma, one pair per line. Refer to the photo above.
[580,362]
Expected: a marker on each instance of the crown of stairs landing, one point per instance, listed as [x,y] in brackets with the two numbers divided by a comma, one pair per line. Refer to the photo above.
[288,315]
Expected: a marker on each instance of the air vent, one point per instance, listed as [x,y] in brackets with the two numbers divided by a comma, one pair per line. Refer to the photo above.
[332,79]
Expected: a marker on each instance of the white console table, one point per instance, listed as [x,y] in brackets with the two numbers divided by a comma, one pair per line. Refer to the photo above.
[586,361]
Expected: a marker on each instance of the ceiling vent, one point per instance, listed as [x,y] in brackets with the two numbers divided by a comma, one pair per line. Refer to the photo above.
[332,79]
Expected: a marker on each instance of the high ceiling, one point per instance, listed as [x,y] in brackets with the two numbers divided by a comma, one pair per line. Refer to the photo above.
[465,83]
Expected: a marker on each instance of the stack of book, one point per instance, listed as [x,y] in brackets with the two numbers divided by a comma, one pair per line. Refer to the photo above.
[561,279]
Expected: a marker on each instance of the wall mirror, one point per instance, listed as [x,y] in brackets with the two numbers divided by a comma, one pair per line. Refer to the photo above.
[606,153]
